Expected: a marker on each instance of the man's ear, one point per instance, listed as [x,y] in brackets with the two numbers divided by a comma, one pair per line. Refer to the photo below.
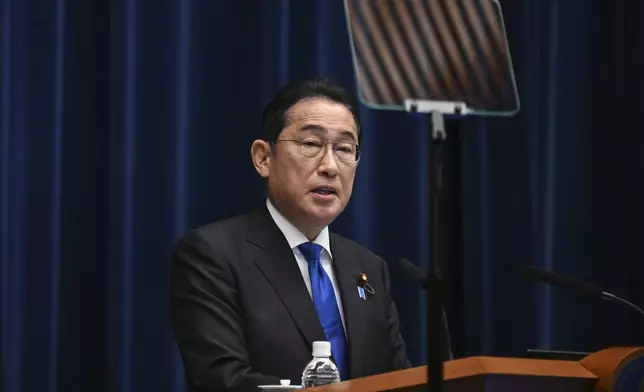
[260,152]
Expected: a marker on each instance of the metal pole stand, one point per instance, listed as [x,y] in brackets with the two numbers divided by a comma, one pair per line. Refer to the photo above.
[438,345]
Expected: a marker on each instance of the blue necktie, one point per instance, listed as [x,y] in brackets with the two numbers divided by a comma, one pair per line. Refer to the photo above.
[326,305]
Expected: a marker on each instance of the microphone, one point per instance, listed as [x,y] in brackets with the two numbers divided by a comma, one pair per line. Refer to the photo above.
[415,274]
[574,284]
[412,272]
[435,333]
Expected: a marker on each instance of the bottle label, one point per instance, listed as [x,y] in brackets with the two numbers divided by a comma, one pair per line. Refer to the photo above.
[319,380]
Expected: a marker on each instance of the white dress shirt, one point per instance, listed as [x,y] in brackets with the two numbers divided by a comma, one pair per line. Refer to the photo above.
[294,237]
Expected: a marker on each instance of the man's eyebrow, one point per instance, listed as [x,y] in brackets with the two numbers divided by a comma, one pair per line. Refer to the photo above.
[312,127]
[318,128]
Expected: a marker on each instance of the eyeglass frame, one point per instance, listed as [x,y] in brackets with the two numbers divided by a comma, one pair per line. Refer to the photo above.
[325,143]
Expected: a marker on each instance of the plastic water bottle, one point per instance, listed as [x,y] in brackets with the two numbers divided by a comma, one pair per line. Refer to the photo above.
[321,370]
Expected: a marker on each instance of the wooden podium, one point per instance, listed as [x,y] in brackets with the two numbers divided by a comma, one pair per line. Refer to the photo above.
[618,369]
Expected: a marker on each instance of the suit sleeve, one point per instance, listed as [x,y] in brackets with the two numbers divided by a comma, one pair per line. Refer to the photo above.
[207,321]
[397,344]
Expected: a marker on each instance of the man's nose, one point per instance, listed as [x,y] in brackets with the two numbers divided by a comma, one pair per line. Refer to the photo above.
[328,164]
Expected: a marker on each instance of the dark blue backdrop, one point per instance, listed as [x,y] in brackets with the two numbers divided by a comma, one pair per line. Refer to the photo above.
[123,125]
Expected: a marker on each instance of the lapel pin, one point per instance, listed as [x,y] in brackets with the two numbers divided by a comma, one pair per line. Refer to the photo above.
[363,285]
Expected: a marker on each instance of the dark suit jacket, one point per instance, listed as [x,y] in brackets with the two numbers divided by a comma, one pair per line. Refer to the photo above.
[242,315]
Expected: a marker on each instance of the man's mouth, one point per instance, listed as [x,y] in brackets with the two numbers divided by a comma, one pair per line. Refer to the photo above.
[324,191]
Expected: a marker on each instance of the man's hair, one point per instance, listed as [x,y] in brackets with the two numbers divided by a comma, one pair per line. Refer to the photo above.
[275,117]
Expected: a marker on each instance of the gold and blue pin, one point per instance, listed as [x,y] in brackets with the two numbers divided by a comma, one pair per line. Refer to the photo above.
[363,285]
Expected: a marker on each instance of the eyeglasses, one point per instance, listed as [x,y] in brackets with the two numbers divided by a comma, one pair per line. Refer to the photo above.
[311,147]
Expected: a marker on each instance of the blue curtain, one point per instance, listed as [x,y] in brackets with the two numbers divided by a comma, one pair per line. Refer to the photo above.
[125,123]
[558,186]
[55,225]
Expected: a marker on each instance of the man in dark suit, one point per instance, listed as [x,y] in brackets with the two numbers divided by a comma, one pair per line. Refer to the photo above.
[250,294]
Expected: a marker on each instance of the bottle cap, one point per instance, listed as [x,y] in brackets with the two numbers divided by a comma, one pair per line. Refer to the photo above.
[321,349]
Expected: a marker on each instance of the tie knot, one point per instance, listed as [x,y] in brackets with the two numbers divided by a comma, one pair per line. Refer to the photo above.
[311,251]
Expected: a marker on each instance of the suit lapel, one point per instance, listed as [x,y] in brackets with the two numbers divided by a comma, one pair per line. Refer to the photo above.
[347,270]
[276,261]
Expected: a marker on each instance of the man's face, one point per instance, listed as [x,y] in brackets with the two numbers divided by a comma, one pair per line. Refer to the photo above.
[311,184]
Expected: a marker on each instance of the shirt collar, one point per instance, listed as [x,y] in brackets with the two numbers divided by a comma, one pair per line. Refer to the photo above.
[294,237]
